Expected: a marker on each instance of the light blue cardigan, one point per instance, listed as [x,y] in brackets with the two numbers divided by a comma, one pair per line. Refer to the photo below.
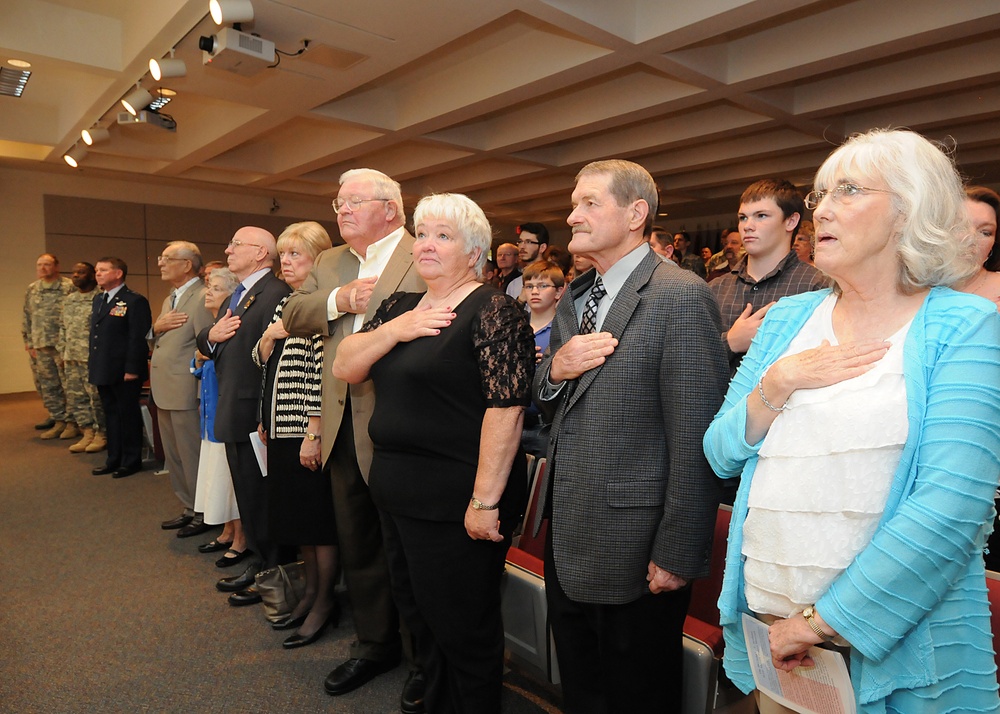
[913,603]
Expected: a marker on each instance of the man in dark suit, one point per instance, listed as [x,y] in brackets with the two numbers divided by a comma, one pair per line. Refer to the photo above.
[118,365]
[636,372]
[239,324]
[346,286]
[173,388]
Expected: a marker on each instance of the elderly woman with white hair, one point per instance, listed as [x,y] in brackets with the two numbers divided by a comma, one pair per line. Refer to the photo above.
[863,427]
[452,368]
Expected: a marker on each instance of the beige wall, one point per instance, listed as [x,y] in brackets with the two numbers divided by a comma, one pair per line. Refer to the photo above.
[23,235]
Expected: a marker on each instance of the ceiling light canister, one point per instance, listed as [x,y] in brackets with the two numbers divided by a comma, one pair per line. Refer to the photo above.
[158,69]
[227,12]
[137,101]
[74,156]
[94,135]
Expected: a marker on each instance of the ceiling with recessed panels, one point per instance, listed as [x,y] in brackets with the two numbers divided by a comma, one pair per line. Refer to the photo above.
[506,99]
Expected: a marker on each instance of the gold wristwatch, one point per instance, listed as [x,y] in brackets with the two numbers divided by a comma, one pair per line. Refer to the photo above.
[311,436]
[809,613]
[478,505]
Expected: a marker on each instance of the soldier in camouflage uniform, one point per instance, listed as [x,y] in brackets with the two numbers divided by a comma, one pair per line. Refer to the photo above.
[40,330]
[83,404]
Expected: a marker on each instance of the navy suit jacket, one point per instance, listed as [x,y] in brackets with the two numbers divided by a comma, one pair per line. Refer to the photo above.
[118,337]
[239,378]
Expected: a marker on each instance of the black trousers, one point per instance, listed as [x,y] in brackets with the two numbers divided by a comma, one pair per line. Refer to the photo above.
[124,423]
[251,496]
[362,556]
[618,658]
[447,587]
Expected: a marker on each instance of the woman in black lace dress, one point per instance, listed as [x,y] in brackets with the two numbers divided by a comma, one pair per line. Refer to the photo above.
[452,369]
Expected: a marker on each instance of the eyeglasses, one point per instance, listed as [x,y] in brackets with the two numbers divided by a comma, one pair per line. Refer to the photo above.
[167,258]
[841,194]
[236,243]
[527,242]
[353,203]
[539,288]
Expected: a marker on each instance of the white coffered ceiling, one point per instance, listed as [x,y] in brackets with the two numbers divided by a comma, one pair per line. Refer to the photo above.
[505,99]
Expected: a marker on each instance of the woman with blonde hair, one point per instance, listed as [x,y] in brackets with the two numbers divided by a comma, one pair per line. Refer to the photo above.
[300,498]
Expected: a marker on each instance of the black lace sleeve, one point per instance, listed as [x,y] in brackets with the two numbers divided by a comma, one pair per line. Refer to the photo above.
[383,314]
[505,345]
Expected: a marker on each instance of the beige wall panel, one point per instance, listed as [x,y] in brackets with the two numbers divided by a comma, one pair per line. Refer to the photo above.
[74,248]
[87,217]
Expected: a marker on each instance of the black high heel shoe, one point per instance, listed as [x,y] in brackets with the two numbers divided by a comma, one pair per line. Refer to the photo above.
[297,640]
[289,623]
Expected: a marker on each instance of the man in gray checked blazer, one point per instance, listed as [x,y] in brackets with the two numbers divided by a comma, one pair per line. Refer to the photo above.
[636,372]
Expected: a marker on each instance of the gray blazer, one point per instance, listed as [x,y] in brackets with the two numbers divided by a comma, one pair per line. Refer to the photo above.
[629,479]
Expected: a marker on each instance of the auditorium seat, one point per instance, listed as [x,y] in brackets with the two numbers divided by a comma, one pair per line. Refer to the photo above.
[703,643]
[525,613]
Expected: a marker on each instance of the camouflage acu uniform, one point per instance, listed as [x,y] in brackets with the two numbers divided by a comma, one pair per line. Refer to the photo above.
[40,331]
[83,404]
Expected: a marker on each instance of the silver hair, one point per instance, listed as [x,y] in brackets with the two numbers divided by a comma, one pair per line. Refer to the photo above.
[186,250]
[468,218]
[385,187]
[935,245]
[228,278]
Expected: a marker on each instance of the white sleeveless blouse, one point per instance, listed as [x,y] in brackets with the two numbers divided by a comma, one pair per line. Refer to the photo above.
[823,477]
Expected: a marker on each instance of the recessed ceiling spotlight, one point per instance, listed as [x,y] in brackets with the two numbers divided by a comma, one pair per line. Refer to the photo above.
[21,64]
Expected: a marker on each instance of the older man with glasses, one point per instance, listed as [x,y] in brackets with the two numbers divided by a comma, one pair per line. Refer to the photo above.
[346,286]
[172,386]
[240,323]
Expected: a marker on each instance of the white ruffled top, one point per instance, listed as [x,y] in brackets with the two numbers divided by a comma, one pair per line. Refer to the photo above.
[823,477]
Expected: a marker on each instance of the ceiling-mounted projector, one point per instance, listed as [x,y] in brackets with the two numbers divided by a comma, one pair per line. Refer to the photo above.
[236,51]
[147,118]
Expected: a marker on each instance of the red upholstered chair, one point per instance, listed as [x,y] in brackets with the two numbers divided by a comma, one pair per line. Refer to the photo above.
[703,643]
[525,612]
[993,588]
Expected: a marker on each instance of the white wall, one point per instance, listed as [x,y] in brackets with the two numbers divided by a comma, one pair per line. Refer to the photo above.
[22,235]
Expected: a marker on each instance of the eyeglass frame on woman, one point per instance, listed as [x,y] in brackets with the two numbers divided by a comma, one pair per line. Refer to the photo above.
[838,194]
[352,202]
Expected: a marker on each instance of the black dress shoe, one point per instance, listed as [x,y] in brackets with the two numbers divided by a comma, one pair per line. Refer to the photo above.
[411,701]
[250,596]
[213,546]
[124,471]
[195,527]
[354,673]
[225,562]
[238,582]
[101,470]
[179,522]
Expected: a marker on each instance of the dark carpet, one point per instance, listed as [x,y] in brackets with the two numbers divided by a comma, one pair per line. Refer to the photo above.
[102,611]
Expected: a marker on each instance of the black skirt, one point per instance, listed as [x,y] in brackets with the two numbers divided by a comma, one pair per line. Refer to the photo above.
[300,501]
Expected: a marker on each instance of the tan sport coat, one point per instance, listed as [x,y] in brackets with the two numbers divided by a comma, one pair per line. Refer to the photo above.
[170,379]
[305,314]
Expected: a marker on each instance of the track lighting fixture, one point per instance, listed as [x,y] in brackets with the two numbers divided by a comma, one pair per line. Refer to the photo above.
[94,135]
[158,69]
[74,156]
[228,12]
[137,100]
